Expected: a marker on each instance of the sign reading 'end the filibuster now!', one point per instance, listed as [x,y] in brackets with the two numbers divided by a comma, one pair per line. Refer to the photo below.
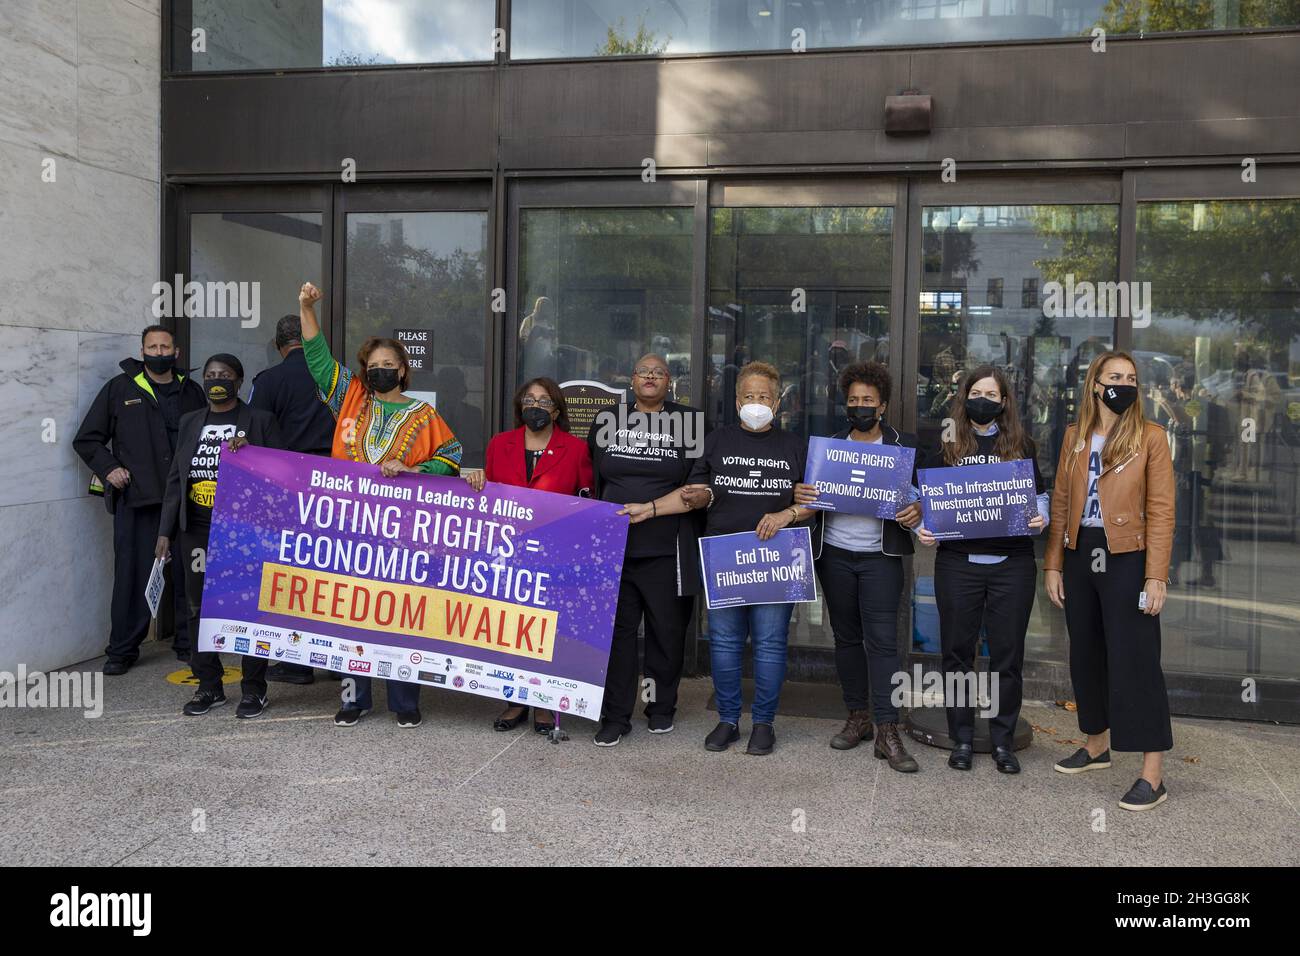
[739,569]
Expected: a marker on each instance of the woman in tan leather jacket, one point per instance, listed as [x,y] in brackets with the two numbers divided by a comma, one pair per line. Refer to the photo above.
[1107,565]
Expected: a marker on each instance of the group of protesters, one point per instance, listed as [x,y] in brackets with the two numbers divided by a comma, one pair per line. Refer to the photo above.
[154,436]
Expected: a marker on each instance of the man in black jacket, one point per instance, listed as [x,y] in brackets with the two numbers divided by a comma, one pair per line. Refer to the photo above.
[289,393]
[128,438]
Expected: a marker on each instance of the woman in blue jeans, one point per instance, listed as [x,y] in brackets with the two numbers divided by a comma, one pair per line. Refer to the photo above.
[746,479]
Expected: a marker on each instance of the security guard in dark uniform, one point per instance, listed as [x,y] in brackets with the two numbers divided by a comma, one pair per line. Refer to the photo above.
[128,438]
[306,425]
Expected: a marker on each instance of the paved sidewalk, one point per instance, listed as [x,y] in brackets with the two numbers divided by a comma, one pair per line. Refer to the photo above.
[290,788]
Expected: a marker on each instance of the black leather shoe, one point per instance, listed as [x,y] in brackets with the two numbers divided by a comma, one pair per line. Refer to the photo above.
[722,737]
[116,668]
[289,674]
[1005,760]
[504,723]
[762,740]
[961,756]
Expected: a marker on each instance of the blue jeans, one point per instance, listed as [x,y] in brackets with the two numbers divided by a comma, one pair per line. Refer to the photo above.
[768,626]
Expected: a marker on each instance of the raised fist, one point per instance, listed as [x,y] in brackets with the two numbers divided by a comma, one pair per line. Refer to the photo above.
[308,294]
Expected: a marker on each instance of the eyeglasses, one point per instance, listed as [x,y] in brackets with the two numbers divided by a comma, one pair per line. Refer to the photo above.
[646,372]
[531,402]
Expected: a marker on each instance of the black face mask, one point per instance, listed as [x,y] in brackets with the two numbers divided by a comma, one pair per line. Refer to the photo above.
[220,390]
[536,418]
[863,418]
[383,380]
[982,410]
[1119,397]
[160,364]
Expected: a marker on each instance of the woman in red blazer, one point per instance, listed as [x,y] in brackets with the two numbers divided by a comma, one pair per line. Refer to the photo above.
[539,453]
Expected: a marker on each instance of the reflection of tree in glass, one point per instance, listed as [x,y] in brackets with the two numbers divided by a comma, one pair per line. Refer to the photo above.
[344,58]
[618,279]
[395,285]
[1081,241]
[1162,16]
[618,43]
[1229,261]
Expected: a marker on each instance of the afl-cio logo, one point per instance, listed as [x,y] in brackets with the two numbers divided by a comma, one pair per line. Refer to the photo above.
[416,657]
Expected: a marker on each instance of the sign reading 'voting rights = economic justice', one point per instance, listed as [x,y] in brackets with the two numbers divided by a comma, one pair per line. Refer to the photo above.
[863,478]
[508,593]
[978,501]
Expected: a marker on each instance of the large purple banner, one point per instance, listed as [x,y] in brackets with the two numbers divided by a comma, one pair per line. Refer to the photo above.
[507,593]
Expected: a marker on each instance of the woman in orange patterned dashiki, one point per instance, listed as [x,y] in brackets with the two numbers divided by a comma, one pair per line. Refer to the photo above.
[376,423]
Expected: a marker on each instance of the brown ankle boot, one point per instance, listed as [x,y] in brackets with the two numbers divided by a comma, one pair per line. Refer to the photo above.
[889,746]
[856,729]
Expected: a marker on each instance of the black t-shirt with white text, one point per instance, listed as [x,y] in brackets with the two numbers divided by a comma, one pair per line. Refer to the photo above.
[751,474]
[217,427]
[984,454]
[641,463]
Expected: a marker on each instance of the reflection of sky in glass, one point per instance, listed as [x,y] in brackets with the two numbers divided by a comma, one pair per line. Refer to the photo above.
[360,32]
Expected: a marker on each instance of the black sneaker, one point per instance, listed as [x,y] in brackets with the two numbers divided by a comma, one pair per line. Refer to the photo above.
[1141,797]
[1080,760]
[722,736]
[250,706]
[660,723]
[409,718]
[289,674]
[348,716]
[202,702]
[762,738]
[609,734]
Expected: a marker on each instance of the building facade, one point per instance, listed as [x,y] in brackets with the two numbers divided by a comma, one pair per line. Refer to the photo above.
[79,230]
[537,187]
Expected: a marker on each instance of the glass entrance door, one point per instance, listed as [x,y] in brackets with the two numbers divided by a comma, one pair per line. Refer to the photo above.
[414,268]
[986,256]
[247,250]
[801,275]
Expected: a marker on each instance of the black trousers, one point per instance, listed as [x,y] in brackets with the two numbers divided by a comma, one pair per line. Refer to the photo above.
[862,592]
[648,589]
[1114,647]
[1001,597]
[207,666]
[135,532]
